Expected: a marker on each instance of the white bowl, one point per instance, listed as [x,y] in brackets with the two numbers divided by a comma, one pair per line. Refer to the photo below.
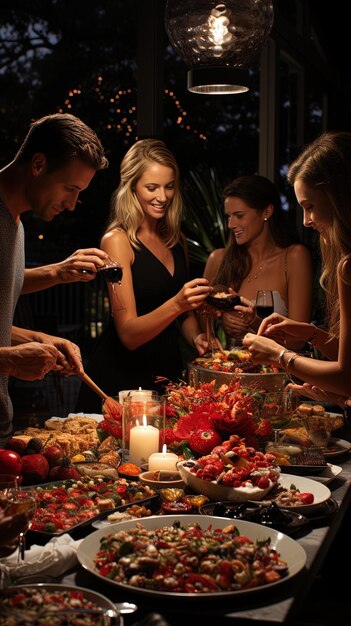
[162,480]
[216,492]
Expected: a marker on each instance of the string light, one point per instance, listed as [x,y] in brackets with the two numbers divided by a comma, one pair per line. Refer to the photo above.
[123,112]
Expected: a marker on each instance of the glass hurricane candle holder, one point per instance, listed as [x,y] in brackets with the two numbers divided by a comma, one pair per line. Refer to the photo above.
[143,427]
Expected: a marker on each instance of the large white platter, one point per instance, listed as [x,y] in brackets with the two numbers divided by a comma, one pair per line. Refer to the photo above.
[321,492]
[289,550]
[96,416]
[330,472]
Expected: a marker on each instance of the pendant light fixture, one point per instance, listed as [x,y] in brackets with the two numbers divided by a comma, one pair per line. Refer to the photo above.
[218,40]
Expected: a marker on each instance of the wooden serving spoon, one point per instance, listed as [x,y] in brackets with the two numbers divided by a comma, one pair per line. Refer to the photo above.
[112,406]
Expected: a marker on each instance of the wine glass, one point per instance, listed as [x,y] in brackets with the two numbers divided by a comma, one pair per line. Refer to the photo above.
[7,482]
[112,272]
[264,303]
[15,501]
[277,407]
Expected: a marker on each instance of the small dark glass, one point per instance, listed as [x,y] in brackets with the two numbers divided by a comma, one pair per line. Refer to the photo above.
[112,274]
[112,271]
[220,298]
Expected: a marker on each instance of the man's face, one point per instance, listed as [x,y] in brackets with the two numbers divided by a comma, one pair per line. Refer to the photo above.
[50,193]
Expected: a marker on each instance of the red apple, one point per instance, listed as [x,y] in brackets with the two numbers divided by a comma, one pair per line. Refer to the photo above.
[54,454]
[63,472]
[17,445]
[10,462]
[35,469]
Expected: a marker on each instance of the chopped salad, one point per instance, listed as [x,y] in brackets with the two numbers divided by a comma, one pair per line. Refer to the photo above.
[35,604]
[188,559]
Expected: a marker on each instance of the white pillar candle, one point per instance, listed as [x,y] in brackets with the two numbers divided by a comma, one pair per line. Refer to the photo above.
[163,460]
[144,441]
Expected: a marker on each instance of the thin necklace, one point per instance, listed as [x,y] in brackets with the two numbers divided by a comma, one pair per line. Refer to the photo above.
[254,276]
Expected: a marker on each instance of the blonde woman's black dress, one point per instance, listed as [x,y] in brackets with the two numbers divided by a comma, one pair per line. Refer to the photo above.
[112,366]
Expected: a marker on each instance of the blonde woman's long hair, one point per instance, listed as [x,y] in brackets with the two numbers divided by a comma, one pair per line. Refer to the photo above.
[326,165]
[126,212]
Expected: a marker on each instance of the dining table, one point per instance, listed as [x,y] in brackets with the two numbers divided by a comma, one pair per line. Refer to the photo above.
[273,605]
[280,604]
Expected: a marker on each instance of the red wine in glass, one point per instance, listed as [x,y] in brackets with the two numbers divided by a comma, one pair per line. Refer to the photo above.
[264,303]
[112,274]
[264,311]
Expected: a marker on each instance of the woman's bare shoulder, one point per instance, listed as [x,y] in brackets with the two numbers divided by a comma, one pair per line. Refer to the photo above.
[345,267]
[116,243]
[298,251]
[213,262]
[216,255]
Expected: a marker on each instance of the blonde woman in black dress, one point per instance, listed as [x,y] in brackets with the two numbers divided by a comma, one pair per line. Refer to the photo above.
[142,340]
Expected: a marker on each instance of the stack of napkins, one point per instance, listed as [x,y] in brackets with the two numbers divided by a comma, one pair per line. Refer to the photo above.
[54,559]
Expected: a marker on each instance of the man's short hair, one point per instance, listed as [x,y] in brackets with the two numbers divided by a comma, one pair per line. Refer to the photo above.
[63,137]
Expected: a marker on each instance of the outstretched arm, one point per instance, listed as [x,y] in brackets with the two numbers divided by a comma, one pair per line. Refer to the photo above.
[81,266]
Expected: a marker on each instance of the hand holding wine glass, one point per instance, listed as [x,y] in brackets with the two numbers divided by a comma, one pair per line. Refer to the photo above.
[112,272]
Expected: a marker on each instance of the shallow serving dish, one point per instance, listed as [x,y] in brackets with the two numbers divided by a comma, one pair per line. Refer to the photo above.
[336,447]
[289,550]
[101,601]
[216,492]
[71,523]
[305,485]
[289,523]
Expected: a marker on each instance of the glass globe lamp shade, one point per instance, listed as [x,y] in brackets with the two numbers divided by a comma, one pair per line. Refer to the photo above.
[218,40]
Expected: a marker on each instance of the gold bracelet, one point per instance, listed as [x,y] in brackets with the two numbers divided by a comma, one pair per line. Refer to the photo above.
[291,360]
[281,355]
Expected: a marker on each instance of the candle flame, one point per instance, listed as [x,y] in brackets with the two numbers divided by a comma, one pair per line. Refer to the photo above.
[144,421]
[164,448]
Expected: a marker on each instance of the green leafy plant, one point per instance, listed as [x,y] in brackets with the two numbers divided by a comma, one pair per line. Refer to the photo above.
[204,222]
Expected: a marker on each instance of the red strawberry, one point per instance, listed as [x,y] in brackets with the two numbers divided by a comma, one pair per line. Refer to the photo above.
[203,441]
[263,482]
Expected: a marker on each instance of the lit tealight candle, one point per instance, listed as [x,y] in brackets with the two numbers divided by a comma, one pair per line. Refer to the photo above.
[141,395]
[144,441]
[163,460]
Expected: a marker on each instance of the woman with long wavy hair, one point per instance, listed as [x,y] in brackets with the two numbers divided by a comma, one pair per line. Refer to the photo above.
[262,253]
[321,176]
[142,340]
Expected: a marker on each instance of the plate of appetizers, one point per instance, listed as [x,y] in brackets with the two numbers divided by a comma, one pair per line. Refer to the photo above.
[297,493]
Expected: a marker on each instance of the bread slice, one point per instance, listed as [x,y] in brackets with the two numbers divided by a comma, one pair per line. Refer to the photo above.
[298,435]
[318,409]
[304,410]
